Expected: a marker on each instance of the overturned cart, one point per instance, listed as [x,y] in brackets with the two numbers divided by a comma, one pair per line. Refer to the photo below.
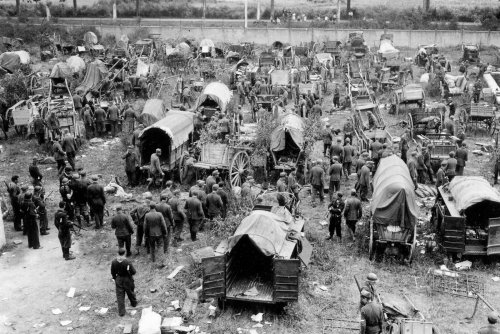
[393,210]
[259,263]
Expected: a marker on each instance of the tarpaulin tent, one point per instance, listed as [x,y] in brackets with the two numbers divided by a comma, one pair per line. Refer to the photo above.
[386,49]
[265,230]
[61,71]
[154,110]
[24,56]
[168,134]
[10,61]
[96,72]
[290,124]
[393,201]
[470,191]
[76,63]
[214,92]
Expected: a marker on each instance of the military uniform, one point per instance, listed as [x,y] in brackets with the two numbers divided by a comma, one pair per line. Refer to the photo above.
[32,230]
[123,230]
[14,191]
[63,225]
[372,316]
[179,217]
[165,209]
[138,215]
[195,214]
[122,272]
[155,230]
[42,213]
[97,200]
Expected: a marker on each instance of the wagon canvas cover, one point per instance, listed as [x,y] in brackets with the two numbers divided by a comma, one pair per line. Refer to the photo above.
[470,190]
[323,58]
[153,111]
[10,61]
[96,72]
[176,124]
[60,71]
[387,50]
[280,77]
[265,230]
[216,91]
[393,200]
[291,124]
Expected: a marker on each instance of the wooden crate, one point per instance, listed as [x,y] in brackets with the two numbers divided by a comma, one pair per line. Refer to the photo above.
[214,154]
[416,327]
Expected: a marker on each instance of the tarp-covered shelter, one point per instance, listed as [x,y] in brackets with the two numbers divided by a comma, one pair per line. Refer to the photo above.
[215,94]
[266,231]
[169,134]
[10,61]
[474,193]
[61,71]
[96,72]
[387,49]
[289,134]
[393,201]
[154,110]
[277,45]
[76,63]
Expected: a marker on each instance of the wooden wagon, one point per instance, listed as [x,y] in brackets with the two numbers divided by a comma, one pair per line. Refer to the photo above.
[481,113]
[393,222]
[467,216]
[259,263]
[409,94]
[427,122]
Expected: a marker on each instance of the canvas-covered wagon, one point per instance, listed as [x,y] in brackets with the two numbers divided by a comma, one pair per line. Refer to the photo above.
[467,215]
[154,110]
[260,263]
[386,49]
[409,94]
[215,97]
[287,142]
[172,134]
[394,212]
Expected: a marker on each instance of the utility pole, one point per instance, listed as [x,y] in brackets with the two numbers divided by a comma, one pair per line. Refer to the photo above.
[348,6]
[427,5]
[204,9]
[338,11]
[246,14]
[272,10]
[258,10]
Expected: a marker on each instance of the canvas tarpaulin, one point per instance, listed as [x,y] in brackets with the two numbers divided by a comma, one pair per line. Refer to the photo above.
[24,56]
[323,58]
[10,61]
[76,63]
[61,71]
[90,38]
[265,230]
[470,190]
[387,50]
[154,110]
[393,201]
[217,92]
[280,77]
[142,68]
[177,125]
[96,72]
[291,124]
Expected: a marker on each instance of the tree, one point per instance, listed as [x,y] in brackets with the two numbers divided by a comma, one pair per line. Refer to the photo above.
[74,7]
[272,9]
[348,6]
[427,5]
[137,8]
[18,7]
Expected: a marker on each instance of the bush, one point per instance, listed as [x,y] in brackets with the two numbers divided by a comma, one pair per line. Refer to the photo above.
[14,89]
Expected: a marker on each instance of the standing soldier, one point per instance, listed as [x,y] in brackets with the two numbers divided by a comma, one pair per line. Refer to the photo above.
[54,125]
[136,141]
[77,103]
[335,208]
[79,199]
[88,122]
[39,129]
[336,150]
[281,183]
[348,153]
[327,139]
[211,180]
[426,153]
[461,157]
[372,315]
[441,174]
[123,229]
[335,172]
[131,165]
[66,195]
[129,120]
[194,213]
[100,117]
[179,215]
[316,180]
[63,225]
[452,166]
[336,96]
[403,146]
[412,168]
[21,199]
[348,129]
[127,88]
[352,213]
[155,229]
[364,180]
[32,229]
[214,203]
[113,114]
[376,148]
[122,272]
[143,84]
[97,201]
[41,211]
[35,173]
[14,191]
[69,146]
[166,211]
[138,215]
[225,199]
[155,171]
[186,96]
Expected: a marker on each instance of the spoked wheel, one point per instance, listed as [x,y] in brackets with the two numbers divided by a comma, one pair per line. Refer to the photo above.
[182,168]
[371,245]
[239,168]
[412,253]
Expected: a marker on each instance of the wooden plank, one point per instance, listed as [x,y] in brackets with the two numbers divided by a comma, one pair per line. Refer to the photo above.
[214,276]
[450,204]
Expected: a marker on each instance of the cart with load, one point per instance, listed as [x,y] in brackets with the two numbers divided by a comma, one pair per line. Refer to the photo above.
[21,114]
[408,94]
[424,53]
[215,97]
[481,113]
[393,210]
[356,45]
[145,48]
[426,123]
[172,134]
[470,54]
[467,215]
[386,50]
[260,263]
[287,143]
[334,48]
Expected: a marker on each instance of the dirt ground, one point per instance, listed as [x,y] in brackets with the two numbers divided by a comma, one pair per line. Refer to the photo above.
[34,282]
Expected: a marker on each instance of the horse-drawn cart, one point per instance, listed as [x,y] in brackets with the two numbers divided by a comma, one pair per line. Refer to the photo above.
[409,94]
[393,223]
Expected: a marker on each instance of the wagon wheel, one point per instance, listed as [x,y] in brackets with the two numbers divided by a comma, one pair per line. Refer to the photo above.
[34,82]
[239,168]
[182,168]
[413,247]
[410,125]
[151,89]
[371,245]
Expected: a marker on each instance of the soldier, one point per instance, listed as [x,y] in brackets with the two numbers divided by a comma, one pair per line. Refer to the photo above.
[348,129]
[426,154]
[352,213]
[113,118]
[127,88]
[69,146]
[167,192]
[41,210]
[179,215]
[348,153]
[80,199]
[211,180]
[66,195]
[412,168]
[403,146]
[316,179]
[63,225]
[186,96]
[131,165]
[327,139]
[281,183]
[88,122]
[34,171]
[165,209]
[194,213]
[100,117]
[451,107]
[59,155]
[39,129]
[21,199]
[77,103]
[136,141]
[32,230]
[225,199]
[53,125]
[155,171]
[155,229]
[97,201]
[123,229]
[214,203]
[14,192]
[376,149]
[372,315]
[335,208]
[452,166]
[491,328]
[122,272]
[364,180]
[336,96]
[138,214]
[335,172]
[461,157]
[336,150]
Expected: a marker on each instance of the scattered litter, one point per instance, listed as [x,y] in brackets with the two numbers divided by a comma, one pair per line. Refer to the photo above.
[464,265]
[117,190]
[56,311]
[69,328]
[65,322]
[268,323]
[127,329]
[477,152]
[259,325]
[495,279]
[84,308]
[169,323]
[175,305]
[17,242]
[153,290]
[257,317]
[150,322]
[133,312]
[175,272]
[71,293]
[40,325]
[211,311]
[324,288]
[102,310]
[252,331]
[323,222]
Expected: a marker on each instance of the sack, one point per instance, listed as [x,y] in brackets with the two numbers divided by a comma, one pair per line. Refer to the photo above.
[150,322]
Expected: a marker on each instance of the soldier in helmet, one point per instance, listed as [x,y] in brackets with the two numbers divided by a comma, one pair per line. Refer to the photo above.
[31,226]
[66,195]
[41,210]
[21,199]
[63,225]
[372,314]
